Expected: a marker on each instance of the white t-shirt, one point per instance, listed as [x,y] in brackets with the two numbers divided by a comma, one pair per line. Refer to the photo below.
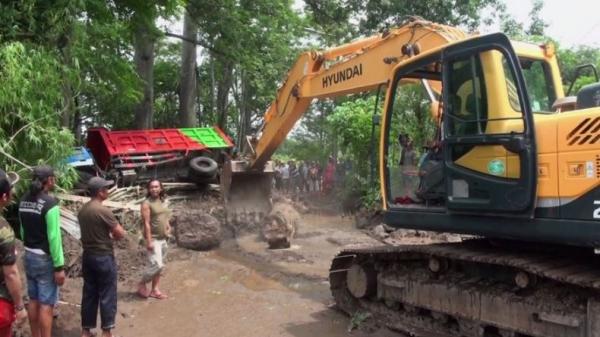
[285,172]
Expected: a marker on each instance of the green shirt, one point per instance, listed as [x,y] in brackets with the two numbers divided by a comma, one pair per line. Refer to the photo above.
[159,217]
[8,254]
[40,226]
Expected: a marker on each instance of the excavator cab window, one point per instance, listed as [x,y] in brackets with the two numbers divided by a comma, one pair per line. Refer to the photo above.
[413,157]
[467,111]
[540,87]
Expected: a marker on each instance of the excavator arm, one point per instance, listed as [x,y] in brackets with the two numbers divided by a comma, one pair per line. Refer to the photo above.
[359,66]
[355,67]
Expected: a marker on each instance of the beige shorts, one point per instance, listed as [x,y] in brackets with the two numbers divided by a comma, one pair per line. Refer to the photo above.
[157,259]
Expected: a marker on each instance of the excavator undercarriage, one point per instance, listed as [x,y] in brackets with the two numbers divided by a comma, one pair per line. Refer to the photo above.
[474,288]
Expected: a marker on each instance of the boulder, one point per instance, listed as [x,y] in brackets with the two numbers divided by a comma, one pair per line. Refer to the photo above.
[197,230]
[280,225]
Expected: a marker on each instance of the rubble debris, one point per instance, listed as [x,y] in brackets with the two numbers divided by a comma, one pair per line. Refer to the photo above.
[108,203]
[69,223]
[379,232]
[365,219]
[410,236]
[72,250]
[197,230]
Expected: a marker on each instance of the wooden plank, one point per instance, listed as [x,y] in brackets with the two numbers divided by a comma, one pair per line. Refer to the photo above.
[107,203]
[69,223]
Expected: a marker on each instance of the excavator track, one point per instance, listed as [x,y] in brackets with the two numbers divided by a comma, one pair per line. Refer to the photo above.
[472,288]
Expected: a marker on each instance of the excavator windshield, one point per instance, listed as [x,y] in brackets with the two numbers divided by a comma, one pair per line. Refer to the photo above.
[478,135]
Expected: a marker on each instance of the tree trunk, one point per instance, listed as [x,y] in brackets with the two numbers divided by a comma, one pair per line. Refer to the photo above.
[76,129]
[223,87]
[241,97]
[187,93]
[245,111]
[144,64]
[68,112]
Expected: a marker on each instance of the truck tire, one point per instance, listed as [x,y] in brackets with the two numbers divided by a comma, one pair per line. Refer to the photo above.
[203,166]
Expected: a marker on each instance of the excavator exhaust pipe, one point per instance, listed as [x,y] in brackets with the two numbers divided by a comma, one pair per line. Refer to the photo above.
[246,193]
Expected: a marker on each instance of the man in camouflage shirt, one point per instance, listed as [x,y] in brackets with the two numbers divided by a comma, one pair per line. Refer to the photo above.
[11,299]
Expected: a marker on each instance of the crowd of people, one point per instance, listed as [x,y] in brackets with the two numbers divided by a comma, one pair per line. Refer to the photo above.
[39,217]
[305,176]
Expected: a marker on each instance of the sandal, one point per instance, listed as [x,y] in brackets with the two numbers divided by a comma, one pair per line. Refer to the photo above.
[159,295]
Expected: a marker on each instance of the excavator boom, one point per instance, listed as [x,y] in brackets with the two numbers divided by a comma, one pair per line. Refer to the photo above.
[359,66]
[355,67]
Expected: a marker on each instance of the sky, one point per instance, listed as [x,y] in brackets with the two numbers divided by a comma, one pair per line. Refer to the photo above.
[571,23]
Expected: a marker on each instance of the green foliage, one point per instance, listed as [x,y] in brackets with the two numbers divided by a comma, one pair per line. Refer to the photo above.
[249,47]
[30,106]
[166,86]
[352,123]
[106,81]
[569,59]
[371,198]
[302,149]
[374,15]
[412,116]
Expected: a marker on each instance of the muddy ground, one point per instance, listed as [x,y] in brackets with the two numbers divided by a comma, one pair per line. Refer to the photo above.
[239,289]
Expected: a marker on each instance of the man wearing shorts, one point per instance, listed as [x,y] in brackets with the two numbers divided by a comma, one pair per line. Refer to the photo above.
[39,213]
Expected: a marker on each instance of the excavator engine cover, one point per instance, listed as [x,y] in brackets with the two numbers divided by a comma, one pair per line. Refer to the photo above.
[247,192]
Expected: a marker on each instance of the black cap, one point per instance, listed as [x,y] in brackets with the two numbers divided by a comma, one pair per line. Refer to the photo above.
[43,171]
[7,180]
[96,183]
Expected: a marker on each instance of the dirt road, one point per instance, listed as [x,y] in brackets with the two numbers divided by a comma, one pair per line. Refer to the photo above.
[242,289]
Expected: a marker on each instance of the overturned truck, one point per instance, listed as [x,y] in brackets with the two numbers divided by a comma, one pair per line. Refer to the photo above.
[133,156]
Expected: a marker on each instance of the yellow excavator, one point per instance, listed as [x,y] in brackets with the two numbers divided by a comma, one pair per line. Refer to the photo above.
[478,139]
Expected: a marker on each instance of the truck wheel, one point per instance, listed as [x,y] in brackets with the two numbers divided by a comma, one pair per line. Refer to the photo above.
[203,166]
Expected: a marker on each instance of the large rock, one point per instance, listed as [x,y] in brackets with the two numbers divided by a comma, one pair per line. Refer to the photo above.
[197,230]
[281,225]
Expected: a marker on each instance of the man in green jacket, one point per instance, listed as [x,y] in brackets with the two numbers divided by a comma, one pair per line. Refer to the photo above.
[44,261]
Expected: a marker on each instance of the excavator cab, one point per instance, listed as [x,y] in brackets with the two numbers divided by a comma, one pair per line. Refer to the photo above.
[476,155]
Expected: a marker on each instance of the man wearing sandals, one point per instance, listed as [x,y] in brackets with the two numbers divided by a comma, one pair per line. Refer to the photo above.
[156,229]
[99,228]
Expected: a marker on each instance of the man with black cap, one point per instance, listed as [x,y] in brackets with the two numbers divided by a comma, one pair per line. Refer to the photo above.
[11,298]
[98,228]
[39,214]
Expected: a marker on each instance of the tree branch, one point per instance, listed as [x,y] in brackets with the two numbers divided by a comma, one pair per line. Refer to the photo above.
[14,159]
[199,43]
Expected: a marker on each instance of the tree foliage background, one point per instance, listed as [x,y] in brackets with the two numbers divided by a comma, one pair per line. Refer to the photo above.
[67,65]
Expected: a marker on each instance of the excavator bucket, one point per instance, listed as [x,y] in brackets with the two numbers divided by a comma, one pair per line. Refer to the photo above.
[247,193]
